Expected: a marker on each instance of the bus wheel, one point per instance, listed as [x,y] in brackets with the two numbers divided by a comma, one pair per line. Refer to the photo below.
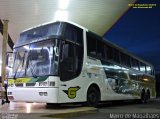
[147,96]
[143,96]
[53,105]
[93,97]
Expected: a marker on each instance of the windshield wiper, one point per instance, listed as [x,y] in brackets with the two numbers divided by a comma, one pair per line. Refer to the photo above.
[20,63]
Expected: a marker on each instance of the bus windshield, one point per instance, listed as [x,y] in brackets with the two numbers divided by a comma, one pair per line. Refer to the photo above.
[36,59]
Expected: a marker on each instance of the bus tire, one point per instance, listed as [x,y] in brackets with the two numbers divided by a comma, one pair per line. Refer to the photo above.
[143,96]
[93,97]
[53,105]
[147,96]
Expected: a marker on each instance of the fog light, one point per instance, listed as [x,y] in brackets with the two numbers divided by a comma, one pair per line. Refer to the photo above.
[45,94]
[41,93]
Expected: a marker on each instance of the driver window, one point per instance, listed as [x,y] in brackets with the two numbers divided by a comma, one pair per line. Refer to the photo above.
[67,61]
[71,60]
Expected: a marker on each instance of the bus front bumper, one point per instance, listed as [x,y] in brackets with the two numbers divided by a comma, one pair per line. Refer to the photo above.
[45,95]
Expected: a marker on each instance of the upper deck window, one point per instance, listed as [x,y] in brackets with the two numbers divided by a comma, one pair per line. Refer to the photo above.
[73,34]
[39,33]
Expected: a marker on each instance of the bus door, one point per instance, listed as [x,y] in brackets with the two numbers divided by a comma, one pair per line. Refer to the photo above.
[70,69]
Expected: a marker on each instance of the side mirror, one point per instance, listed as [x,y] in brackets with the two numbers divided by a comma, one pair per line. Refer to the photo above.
[56,51]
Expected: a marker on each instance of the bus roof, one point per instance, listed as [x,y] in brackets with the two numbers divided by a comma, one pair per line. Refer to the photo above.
[55,22]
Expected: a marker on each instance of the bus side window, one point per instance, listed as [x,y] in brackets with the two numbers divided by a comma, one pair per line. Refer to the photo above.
[91,45]
[109,52]
[100,50]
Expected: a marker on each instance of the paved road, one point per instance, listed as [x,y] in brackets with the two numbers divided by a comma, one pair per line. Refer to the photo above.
[124,110]
[120,110]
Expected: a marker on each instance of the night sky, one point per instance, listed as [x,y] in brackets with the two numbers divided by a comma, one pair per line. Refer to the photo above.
[138,31]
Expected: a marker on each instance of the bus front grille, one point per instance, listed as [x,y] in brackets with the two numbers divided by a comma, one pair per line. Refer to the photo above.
[30,84]
[19,85]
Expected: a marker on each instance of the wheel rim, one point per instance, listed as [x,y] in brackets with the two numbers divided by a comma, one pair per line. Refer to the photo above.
[93,97]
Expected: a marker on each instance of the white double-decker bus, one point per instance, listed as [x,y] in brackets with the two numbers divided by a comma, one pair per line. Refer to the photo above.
[62,62]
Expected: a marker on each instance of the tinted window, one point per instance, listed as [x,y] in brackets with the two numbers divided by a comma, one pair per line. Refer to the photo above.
[100,49]
[71,61]
[109,52]
[91,45]
[125,59]
[78,59]
[128,61]
[40,32]
[74,34]
[116,56]
[67,61]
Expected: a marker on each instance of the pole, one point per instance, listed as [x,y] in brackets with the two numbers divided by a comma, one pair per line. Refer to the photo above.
[4,50]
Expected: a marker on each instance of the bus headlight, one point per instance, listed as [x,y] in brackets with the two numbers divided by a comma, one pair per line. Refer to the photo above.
[9,93]
[52,83]
[10,85]
[43,93]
